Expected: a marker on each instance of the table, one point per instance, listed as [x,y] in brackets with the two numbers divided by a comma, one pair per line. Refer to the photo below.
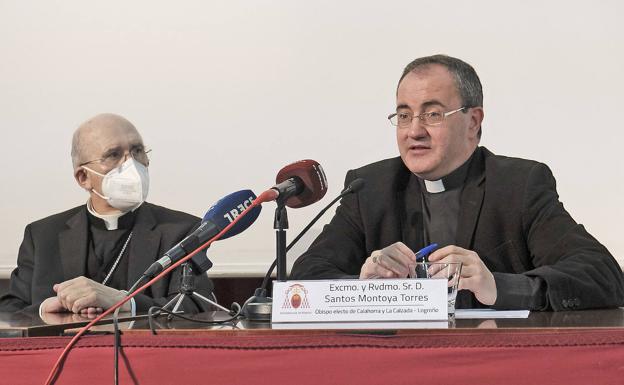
[579,347]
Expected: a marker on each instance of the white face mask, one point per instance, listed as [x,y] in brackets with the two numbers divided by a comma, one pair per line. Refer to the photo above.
[124,187]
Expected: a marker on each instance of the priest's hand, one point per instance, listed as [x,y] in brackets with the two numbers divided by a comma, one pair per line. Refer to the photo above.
[54,318]
[390,262]
[475,276]
[52,305]
[83,295]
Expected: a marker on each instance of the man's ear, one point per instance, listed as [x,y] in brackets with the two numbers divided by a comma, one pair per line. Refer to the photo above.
[476,118]
[83,179]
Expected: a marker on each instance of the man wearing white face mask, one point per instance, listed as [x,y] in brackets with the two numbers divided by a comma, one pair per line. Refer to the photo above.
[125,187]
[81,260]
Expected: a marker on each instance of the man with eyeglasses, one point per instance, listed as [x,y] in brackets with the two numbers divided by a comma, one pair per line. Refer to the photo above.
[83,259]
[499,216]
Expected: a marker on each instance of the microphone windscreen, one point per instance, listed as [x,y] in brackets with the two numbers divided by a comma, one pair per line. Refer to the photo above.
[311,174]
[229,207]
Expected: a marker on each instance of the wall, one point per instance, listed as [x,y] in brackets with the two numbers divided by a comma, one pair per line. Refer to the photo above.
[226,93]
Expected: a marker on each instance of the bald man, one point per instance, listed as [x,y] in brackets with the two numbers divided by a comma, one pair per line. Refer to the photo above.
[83,259]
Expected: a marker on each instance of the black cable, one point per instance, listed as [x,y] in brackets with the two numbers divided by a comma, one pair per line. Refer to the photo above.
[117,345]
[117,334]
[155,311]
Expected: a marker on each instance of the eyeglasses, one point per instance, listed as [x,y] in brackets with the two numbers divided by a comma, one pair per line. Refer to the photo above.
[115,157]
[431,118]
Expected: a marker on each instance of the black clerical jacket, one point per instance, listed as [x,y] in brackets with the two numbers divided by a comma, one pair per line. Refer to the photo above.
[54,250]
[510,215]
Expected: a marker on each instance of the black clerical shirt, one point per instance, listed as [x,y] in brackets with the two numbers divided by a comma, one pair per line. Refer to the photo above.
[104,248]
[441,208]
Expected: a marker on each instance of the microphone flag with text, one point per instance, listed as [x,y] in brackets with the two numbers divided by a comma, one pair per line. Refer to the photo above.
[221,214]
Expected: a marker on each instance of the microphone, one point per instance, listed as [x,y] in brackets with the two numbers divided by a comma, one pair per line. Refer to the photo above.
[298,184]
[353,187]
[216,219]
[258,307]
[356,185]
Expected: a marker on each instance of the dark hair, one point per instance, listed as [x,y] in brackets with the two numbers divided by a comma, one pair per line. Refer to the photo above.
[466,78]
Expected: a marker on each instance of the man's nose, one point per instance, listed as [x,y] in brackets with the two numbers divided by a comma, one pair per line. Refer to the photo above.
[124,158]
[417,129]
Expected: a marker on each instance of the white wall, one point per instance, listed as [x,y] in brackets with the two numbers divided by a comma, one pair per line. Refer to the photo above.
[226,93]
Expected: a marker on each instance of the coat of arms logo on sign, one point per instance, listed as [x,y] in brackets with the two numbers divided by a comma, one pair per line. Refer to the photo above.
[296,297]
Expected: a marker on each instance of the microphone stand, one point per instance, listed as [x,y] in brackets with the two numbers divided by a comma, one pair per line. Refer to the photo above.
[280,224]
[187,289]
[258,306]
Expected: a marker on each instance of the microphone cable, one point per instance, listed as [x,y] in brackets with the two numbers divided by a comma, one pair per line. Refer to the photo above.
[117,332]
[234,313]
[56,369]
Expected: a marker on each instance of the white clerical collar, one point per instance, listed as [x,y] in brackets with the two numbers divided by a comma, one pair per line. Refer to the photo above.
[454,180]
[434,186]
[110,220]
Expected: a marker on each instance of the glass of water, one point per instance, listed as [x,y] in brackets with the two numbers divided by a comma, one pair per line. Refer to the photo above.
[451,271]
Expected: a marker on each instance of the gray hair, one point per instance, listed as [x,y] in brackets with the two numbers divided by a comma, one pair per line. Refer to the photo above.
[95,124]
[77,149]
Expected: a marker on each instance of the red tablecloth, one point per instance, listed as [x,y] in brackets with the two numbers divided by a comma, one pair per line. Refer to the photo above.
[591,356]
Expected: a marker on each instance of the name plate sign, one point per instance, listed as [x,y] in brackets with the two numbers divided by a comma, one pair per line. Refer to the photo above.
[360,300]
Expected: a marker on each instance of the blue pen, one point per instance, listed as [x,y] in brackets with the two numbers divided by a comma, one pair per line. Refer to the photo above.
[422,271]
[422,253]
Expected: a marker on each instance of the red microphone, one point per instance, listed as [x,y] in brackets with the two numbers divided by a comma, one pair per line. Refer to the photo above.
[299,184]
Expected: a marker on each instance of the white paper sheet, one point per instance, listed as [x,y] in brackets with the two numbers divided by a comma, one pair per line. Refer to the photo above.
[489,313]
